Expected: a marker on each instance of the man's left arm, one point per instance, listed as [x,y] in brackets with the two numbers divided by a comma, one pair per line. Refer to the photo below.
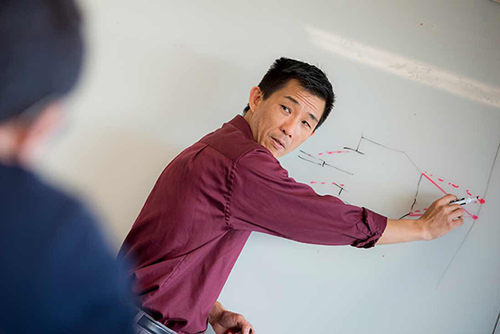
[438,220]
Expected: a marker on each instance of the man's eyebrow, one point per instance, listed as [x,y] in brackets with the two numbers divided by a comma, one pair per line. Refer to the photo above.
[313,117]
[293,100]
[297,103]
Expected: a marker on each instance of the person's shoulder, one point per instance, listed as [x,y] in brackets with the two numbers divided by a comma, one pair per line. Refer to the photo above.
[42,224]
[54,248]
[22,186]
[234,140]
[30,204]
[262,163]
[39,222]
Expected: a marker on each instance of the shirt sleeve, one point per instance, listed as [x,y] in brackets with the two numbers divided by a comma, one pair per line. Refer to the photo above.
[264,199]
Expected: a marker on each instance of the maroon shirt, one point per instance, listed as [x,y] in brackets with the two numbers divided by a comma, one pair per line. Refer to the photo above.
[202,210]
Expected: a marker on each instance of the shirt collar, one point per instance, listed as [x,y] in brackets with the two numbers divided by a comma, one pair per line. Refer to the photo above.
[241,124]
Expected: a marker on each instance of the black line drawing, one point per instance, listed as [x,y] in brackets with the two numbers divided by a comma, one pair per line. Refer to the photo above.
[387,147]
[496,323]
[357,148]
[323,163]
[415,198]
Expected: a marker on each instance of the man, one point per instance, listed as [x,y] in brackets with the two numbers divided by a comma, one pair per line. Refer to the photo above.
[215,193]
[57,273]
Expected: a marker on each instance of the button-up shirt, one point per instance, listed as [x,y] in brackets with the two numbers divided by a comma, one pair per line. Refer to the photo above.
[202,210]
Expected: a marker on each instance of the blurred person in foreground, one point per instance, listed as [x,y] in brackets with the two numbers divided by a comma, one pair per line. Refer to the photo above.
[57,273]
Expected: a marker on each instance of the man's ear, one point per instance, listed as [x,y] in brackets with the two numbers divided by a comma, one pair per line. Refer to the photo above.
[255,98]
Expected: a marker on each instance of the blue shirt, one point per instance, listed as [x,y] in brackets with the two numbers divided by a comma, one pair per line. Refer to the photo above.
[56,273]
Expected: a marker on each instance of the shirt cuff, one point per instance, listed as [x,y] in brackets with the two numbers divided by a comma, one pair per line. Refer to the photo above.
[372,226]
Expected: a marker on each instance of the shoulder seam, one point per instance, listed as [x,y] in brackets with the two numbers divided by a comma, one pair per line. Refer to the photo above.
[242,155]
[236,158]
[227,210]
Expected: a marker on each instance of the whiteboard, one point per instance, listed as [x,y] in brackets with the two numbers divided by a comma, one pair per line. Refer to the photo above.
[418,87]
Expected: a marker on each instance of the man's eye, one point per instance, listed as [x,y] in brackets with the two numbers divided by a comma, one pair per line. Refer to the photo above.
[286,109]
[306,124]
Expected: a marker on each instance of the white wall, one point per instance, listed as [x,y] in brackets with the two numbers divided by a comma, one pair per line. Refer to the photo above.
[422,77]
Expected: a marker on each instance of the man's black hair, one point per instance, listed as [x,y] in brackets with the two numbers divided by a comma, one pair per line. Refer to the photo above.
[311,78]
[41,52]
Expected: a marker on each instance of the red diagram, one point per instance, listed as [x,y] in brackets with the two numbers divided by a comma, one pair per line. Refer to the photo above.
[429,181]
[437,183]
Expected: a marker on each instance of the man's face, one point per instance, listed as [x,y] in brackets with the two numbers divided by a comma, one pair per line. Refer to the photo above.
[285,119]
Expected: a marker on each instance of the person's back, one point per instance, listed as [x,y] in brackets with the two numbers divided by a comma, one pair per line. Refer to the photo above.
[57,274]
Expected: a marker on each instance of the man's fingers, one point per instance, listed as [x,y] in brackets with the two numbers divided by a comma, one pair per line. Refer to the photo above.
[246,327]
[453,207]
[445,200]
[459,221]
[457,213]
[238,324]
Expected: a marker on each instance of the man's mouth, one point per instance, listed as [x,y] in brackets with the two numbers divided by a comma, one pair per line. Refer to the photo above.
[279,143]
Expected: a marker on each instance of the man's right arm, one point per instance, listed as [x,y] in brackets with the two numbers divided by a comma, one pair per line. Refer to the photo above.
[438,220]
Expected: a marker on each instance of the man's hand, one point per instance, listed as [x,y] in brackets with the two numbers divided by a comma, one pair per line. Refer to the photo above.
[227,322]
[441,217]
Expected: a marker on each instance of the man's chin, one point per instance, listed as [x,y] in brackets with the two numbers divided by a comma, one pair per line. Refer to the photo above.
[279,153]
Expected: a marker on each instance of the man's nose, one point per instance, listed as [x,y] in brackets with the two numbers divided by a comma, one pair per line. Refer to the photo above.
[288,128]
